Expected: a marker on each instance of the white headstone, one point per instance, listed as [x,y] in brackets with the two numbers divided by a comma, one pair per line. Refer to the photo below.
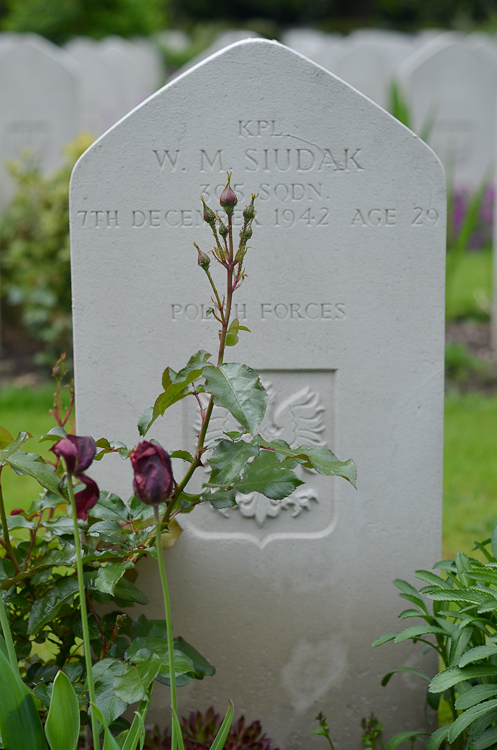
[363,65]
[39,101]
[345,301]
[103,100]
[456,88]
[116,54]
[224,40]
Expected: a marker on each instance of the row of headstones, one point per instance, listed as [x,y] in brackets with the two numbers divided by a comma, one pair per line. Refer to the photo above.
[449,82]
[49,94]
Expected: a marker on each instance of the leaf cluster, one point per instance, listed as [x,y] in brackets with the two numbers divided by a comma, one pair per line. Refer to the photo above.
[461,626]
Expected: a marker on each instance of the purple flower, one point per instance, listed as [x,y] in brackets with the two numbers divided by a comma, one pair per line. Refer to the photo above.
[87,498]
[228,199]
[77,452]
[153,476]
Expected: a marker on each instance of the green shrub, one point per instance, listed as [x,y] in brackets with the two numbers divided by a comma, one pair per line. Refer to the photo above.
[34,250]
[59,20]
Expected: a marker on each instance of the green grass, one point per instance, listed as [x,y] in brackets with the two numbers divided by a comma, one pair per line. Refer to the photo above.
[25,409]
[469,288]
[470,471]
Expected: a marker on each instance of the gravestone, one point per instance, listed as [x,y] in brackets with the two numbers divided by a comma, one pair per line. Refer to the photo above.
[364,65]
[345,301]
[455,87]
[39,101]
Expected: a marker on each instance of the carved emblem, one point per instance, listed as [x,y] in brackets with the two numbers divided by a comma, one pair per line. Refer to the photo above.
[298,419]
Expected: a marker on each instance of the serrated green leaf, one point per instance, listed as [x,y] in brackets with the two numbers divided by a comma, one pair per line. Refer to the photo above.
[13,446]
[33,465]
[145,421]
[428,577]
[384,639]
[108,576]
[486,739]
[477,653]
[220,498]
[56,433]
[110,507]
[480,725]
[462,595]
[45,609]
[454,675]
[238,389]
[20,725]
[228,460]
[133,684]
[459,642]
[436,739]
[62,725]
[107,701]
[410,613]
[178,388]
[475,695]
[316,457]
[266,475]
[111,446]
[468,717]
[416,631]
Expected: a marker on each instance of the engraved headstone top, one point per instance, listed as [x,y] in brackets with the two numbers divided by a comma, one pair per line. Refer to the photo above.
[344,298]
[38,105]
[454,87]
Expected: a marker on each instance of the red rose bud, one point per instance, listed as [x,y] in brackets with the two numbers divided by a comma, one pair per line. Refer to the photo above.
[77,452]
[87,498]
[209,215]
[203,260]
[153,481]
[228,199]
[16,512]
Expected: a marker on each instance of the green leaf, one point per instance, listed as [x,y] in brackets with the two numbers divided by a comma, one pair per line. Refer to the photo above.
[221,498]
[458,645]
[133,684]
[316,457]
[468,717]
[232,332]
[127,591]
[107,701]
[45,609]
[200,664]
[454,675]
[145,628]
[184,455]
[182,665]
[108,576]
[20,725]
[415,631]
[62,725]
[475,695]
[436,739]
[33,465]
[487,738]
[238,389]
[428,577]
[265,475]
[178,387]
[13,446]
[462,595]
[5,438]
[56,433]
[112,446]
[477,653]
[228,460]
[409,670]
[110,507]
[109,741]
[404,737]
[493,541]
[384,639]
[410,613]
[224,729]
[145,421]
[200,356]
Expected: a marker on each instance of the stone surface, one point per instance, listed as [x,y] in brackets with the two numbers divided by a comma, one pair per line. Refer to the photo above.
[345,301]
[39,105]
[455,87]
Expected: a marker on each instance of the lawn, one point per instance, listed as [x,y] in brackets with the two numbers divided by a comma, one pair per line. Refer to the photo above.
[469,286]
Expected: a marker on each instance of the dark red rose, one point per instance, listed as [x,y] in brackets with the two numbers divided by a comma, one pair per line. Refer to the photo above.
[77,452]
[153,475]
[87,498]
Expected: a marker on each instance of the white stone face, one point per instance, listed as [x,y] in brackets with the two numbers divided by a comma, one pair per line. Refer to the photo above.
[345,301]
[39,101]
[456,88]
[365,64]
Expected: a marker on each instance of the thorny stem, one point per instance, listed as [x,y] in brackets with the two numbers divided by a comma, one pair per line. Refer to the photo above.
[5,529]
[84,615]
[169,628]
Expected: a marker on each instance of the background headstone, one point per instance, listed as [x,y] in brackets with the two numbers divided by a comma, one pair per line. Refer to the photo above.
[345,301]
[39,101]
[456,88]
